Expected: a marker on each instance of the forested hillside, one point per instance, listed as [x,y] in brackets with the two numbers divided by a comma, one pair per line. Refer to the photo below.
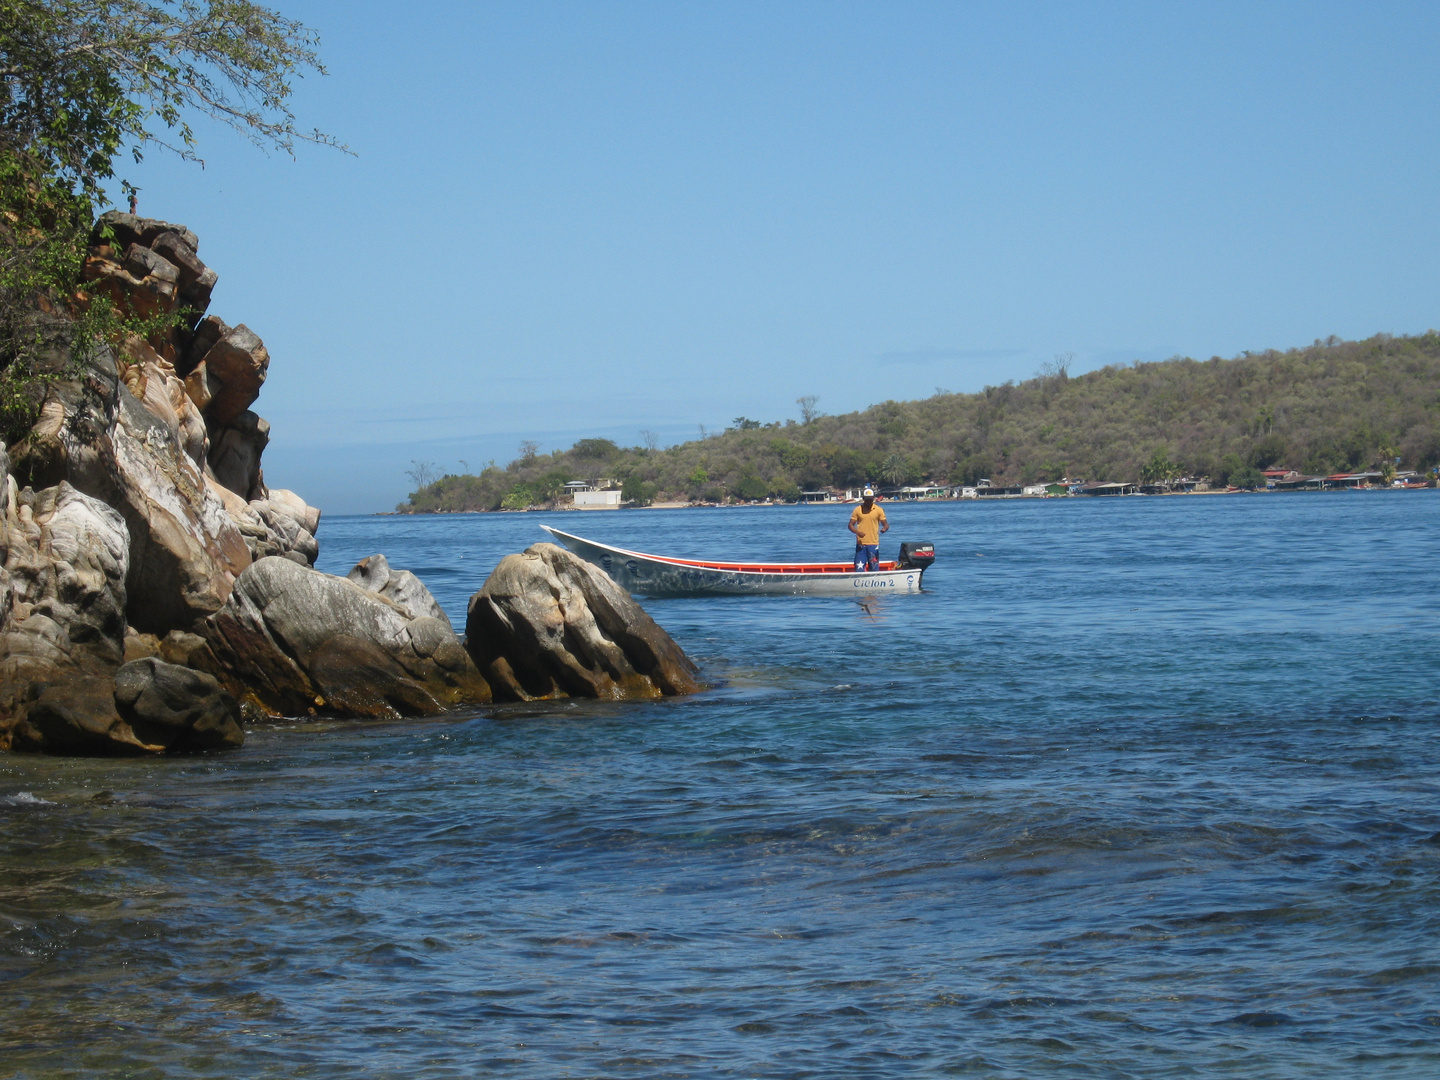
[1337,405]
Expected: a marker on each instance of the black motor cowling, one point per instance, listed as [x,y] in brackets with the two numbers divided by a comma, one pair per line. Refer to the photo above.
[916,555]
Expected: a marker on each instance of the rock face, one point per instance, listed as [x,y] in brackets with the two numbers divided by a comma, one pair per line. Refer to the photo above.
[235,450]
[294,641]
[548,624]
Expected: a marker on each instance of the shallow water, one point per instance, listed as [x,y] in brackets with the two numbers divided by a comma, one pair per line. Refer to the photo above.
[1136,788]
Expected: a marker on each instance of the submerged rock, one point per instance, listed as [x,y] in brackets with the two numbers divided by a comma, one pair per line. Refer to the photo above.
[294,641]
[548,624]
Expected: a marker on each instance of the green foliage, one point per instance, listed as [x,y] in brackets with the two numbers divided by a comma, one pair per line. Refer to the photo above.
[1248,477]
[750,487]
[1158,469]
[551,484]
[601,450]
[637,491]
[80,80]
[521,497]
[1333,406]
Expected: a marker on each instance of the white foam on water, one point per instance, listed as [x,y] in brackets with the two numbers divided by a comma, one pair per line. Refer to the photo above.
[24,798]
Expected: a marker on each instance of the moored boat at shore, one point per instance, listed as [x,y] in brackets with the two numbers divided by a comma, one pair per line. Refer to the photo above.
[659,575]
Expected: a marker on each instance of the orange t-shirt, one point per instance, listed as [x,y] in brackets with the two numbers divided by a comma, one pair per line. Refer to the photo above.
[867,524]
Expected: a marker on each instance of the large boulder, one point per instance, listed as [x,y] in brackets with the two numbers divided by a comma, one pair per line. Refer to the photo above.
[152,380]
[206,333]
[196,280]
[66,556]
[548,624]
[279,524]
[294,641]
[119,229]
[63,562]
[145,707]
[76,715]
[227,380]
[130,284]
[176,708]
[95,434]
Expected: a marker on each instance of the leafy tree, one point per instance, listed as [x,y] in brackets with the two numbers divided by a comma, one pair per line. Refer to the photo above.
[895,469]
[1248,477]
[750,486]
[637,491]
[551,485]
[520,497]
[596,449]
[84,79]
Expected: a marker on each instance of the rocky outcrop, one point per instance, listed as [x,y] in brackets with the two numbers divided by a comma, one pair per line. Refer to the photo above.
[63,559]
[227,379]
[77,716]
[163,471]
[154,589]
[293,641]
[145,707]
[548,624]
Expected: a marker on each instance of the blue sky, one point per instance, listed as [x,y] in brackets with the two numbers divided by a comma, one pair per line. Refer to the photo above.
[577,219]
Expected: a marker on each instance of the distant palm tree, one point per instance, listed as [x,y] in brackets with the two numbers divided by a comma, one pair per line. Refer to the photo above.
[895,469]
[1159,469]
[1387,463]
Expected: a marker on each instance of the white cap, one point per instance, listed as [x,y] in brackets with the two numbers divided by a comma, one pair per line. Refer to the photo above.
[868,493]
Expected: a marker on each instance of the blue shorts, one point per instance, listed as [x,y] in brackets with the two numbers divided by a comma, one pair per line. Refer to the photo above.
[867,557]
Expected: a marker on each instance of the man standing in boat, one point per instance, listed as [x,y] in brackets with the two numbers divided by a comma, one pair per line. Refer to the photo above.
[867,522]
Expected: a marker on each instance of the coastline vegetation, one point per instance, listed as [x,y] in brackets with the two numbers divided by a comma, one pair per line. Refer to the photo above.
[1332,406]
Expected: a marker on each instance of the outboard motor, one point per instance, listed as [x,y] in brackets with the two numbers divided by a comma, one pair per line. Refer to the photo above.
[916,555]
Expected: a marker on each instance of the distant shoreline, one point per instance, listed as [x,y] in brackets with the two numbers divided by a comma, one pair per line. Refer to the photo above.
[894,502]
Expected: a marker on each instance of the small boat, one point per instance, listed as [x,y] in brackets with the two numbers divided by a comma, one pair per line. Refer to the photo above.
[657,575]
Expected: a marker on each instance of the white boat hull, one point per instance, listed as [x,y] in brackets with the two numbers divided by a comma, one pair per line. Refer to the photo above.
[654,575]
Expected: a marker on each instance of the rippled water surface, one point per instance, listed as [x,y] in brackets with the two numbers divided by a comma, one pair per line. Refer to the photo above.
[1136,788]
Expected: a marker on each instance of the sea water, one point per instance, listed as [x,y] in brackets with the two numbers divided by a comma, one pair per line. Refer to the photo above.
[1141,787]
